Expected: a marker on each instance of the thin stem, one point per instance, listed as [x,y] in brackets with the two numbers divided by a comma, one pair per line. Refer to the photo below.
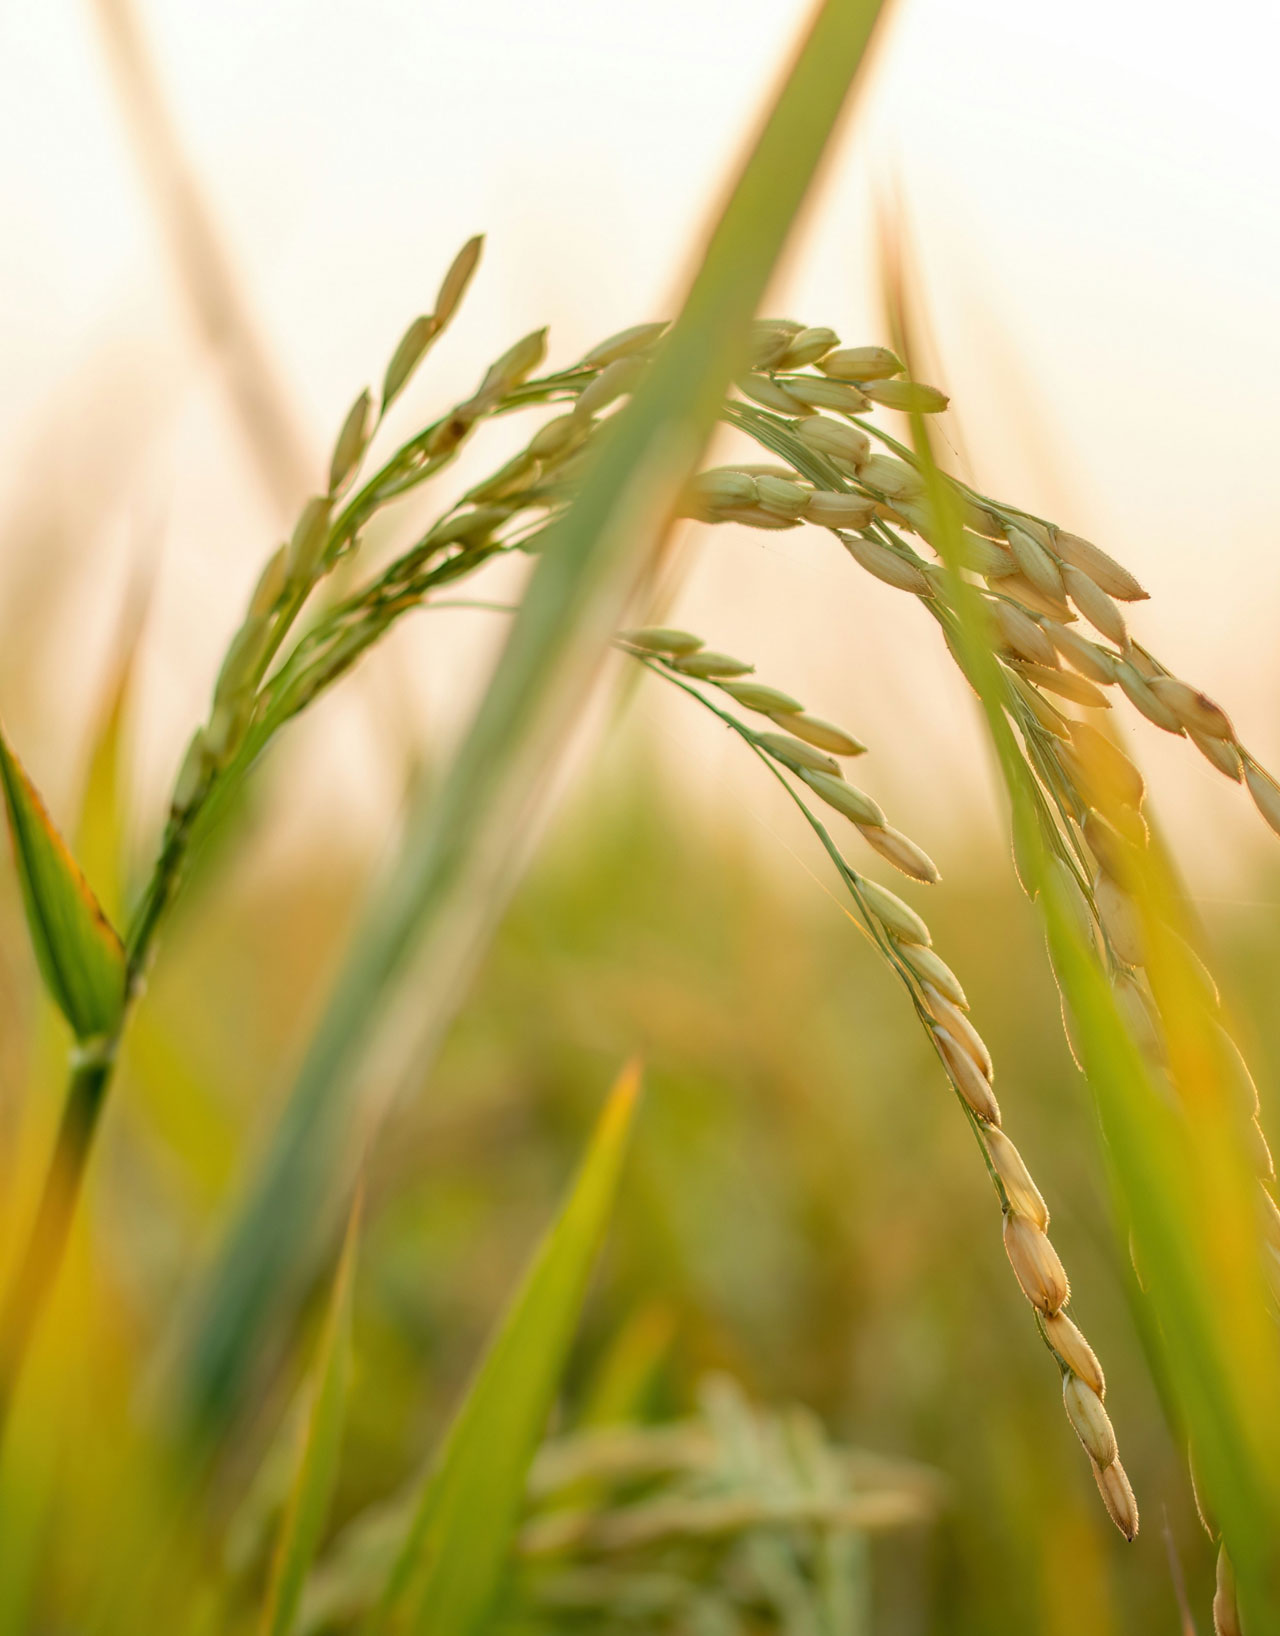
[42,1254]
[91,1075]
[157,897]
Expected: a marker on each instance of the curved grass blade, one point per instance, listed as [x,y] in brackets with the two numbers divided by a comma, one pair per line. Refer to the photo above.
[461,853]
[450,1567]
[76,947]
[317,1472]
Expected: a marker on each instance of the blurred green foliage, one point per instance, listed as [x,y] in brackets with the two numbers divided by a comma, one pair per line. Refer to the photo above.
[803,1204]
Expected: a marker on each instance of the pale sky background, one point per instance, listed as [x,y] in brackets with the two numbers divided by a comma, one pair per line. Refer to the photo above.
[1091,189]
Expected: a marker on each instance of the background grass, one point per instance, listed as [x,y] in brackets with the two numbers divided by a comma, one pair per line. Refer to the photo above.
[802,1197]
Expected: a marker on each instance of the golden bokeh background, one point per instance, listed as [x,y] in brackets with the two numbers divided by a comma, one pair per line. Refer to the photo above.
[1087,197]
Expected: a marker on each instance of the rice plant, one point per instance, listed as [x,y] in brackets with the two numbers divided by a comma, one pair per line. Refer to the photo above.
[738,1520]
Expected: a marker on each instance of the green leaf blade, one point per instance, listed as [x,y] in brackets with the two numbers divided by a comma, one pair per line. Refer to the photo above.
[451,1565]
[317,1471]
[77,949]
[459,862]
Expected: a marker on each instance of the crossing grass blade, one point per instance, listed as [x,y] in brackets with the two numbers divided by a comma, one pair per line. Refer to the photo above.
[460,856]
[450,1568]
[76,947]
[317,1471]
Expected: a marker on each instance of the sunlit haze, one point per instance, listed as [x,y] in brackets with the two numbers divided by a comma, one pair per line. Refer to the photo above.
[1088,193]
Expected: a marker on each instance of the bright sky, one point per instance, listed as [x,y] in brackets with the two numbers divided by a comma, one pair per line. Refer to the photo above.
[1091,190]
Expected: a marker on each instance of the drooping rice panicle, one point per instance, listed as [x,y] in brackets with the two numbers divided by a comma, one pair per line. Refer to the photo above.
[941,1006]
[251,700]
[1055,578]
[1051,577]
[1035,578]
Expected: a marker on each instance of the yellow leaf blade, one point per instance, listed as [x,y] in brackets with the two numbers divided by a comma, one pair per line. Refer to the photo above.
[451,1565]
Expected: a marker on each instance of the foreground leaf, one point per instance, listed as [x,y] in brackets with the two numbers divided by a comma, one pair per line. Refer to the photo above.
[462,850]
[317,1472]
[77,949]
[451,1565]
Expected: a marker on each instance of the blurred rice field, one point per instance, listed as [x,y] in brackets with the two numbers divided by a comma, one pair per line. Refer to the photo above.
[803,1207]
